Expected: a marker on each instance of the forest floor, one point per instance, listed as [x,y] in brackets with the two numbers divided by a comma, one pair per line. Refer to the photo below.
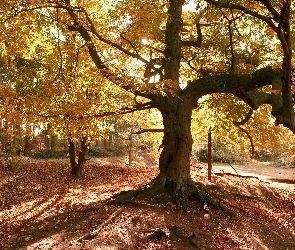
[43,207]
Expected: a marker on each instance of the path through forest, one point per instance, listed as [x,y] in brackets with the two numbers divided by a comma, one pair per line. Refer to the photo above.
[276,176]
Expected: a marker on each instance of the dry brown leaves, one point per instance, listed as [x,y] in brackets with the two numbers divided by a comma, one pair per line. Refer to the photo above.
[43,207]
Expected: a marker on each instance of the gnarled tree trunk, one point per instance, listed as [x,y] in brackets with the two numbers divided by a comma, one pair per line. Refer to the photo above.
[174,162]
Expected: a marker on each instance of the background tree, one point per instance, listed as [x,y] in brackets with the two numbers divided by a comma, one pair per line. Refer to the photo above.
[221,112]
[56,84]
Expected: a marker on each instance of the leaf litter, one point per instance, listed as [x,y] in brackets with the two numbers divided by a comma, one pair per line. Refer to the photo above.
[43,207]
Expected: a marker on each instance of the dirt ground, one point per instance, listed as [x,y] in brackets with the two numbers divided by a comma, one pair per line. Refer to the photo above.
[274,176]
[43,207]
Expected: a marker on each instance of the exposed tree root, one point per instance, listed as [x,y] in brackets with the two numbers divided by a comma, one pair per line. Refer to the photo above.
[199,192]
[186,192]
[148,191]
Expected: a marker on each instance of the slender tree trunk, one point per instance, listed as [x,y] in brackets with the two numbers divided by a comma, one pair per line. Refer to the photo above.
[72,154]
[77,167]
[53,142]
[285,37]
[27,146]
[209,154]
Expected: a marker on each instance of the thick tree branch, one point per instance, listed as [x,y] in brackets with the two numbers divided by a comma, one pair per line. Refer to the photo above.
[255,98]
[246,88]
[271,9]
[283,31]
[239,83]
[285,113]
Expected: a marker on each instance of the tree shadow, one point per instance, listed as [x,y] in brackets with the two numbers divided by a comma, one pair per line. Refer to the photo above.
[34,230]
[35,201]
[256,207]
[43,181]
[262,211]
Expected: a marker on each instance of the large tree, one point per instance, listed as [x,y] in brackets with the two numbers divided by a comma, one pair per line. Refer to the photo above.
[171,58]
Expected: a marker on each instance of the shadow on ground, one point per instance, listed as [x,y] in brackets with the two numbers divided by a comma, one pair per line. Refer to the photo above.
[45,208]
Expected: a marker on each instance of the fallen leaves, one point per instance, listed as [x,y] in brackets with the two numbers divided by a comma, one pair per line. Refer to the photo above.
[44,207]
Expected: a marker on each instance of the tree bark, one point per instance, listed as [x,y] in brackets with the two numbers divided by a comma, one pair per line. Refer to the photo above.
[77,166]
[174,162]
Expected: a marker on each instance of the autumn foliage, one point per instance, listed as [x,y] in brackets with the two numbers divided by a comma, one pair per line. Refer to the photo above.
[78,70]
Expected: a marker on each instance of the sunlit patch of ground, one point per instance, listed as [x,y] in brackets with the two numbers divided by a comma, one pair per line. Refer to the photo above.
[43,207]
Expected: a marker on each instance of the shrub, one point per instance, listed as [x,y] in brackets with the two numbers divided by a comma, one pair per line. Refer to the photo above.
[46,154]
[105,151]
[13,163]
[285,161]
[221,156]
[202,155]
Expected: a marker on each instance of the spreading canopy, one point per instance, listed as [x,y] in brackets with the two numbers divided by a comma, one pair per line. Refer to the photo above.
[168,56]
